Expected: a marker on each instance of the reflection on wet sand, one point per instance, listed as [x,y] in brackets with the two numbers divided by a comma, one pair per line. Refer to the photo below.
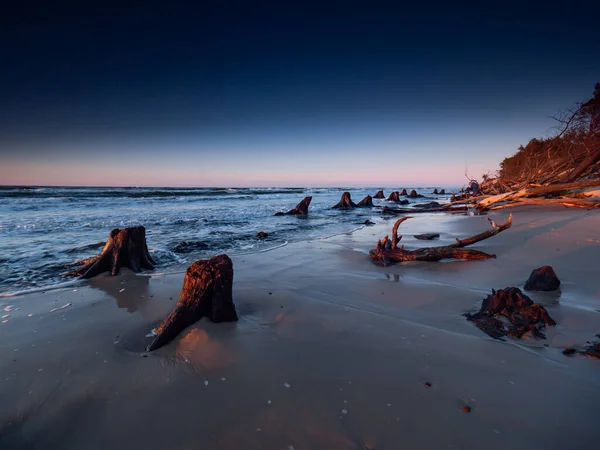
[131,293]
[199,349]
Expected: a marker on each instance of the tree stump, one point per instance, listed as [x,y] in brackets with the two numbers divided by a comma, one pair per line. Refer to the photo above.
[525,316]
[301,208]
[542,279]
[206,292]
[124,248]
[413,194]
[404,193]
[345,202]
[379,194]
[442,192]
[394,197]
[435,191]
[366,202]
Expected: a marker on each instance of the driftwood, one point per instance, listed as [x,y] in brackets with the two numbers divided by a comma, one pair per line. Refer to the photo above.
[537,191]
[525,316]
[379,194]
[301,208]
[345,202]
[582,167]
[366,202]
[404,193]
[206,292]
[387,252]
[426,236]
[542,279]
[566,202]
[124,248]
[394,197]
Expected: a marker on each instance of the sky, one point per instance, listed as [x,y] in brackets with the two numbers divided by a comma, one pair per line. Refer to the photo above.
[269,94]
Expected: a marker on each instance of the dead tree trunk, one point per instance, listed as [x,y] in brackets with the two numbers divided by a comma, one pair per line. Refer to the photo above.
[413,194]
[206,292]
[301,208]
[346,202]
[404,193]
[394,197]
[366,202]
[435,191]
[582,167]
[379,194]
[387,252]
[442,192]
[124,248]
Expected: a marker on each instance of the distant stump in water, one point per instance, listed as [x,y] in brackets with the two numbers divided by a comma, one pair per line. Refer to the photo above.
[435,191]
[442,192]
[525,316]
[542,279]
[366,202]
[413,194]
[206,292]
[404,193]
[300,209]
[427,236]
[345,202]
[124,248]
[261,235]
[394,197]
[379,194]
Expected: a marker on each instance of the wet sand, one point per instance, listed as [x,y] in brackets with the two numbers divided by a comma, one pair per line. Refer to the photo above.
[331,351]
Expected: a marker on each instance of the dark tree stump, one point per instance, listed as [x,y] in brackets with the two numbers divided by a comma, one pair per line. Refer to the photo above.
[394,197]
[442,192]
[262,235]
[413,194]
[366,202]
[404,193]
[345,202]
[379,194]
[206,292]
[542,279]
[124,248]
[525,316]
[435,191]
[301,208]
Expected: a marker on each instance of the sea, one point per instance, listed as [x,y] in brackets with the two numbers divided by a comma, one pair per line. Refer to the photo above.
[44,231]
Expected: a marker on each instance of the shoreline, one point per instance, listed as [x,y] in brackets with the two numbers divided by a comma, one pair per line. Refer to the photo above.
[344,334]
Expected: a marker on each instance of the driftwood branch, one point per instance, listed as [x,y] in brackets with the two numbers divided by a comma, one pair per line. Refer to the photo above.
[387,252]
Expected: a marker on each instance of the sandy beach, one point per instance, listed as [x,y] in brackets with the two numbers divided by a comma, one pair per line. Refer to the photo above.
[330,352]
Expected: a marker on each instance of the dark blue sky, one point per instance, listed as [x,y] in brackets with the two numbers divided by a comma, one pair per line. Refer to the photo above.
[262,94]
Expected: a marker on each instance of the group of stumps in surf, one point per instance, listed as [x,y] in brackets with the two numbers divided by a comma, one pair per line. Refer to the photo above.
[207,286]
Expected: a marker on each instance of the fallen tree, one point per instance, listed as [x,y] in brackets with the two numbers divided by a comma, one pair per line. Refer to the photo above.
[301,208]
[387,251]
[345,202]
[124,248]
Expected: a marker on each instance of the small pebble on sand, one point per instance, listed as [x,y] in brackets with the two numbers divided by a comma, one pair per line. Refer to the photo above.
[465,408]
[268,402]
[122,290]
[427,384]
[344,411]
[287,385]
[223,379]
[205,382]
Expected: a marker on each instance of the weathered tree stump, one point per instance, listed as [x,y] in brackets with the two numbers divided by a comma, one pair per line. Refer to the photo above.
[435,191]
[301,208]
[394,197]
[366,202]
[404,193]
[206,292]
[379,194]
[262,235]
[345,202]
[124,248]
[413,194]
[525,316]
[542,279]
[442,192]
